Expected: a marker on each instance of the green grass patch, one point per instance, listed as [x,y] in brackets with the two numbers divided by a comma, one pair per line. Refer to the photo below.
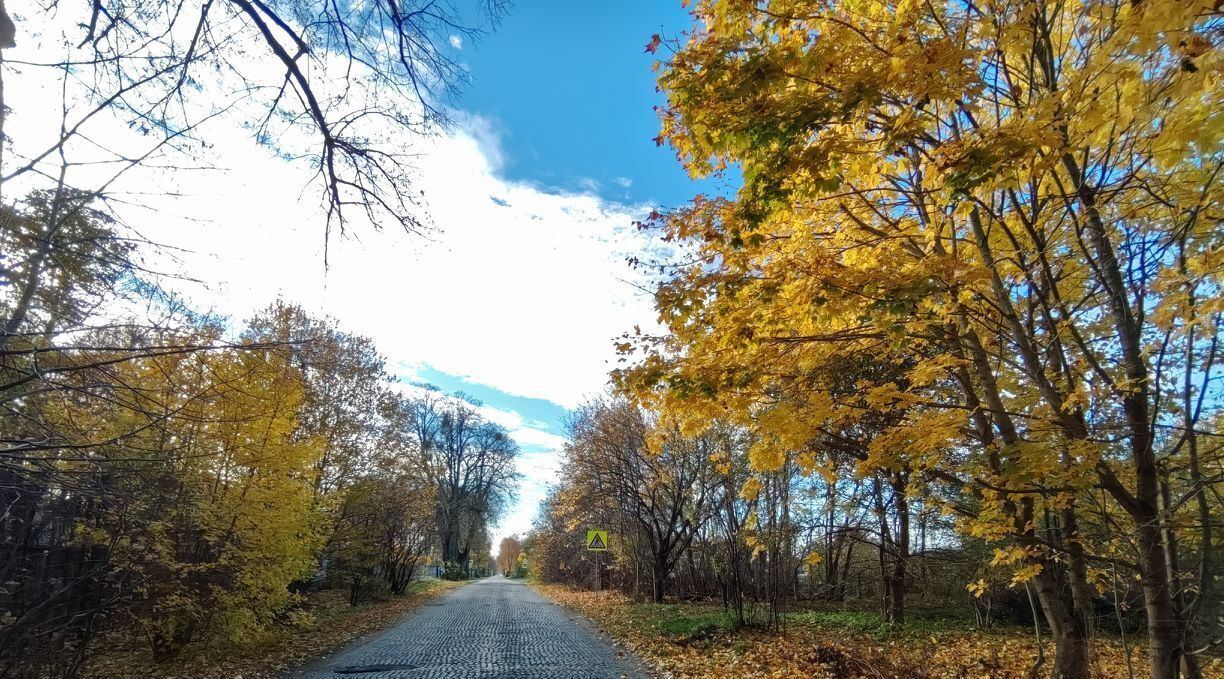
[688,625]
[918,622]
[418,586]
[682,620]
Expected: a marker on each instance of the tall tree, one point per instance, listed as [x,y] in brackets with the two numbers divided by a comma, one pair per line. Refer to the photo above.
[345,382]
[471,463]
[659,481]
[508,552]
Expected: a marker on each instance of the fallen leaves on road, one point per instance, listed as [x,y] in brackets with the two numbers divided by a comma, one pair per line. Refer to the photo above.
[806,648]
[336,623]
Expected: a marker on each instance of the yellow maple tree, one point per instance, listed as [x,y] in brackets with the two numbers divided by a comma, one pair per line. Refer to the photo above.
[1015,204]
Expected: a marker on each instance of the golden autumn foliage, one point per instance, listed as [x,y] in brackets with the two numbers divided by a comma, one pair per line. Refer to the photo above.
[215,488]
[976,245]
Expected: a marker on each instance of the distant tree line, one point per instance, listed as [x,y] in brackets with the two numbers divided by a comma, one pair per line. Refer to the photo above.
[688,517]
[511,559]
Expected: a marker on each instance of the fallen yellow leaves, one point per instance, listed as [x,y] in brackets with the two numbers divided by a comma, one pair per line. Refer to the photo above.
[825,651]
[335,624]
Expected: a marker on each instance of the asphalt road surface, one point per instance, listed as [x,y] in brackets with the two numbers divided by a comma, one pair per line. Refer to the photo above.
[491,628]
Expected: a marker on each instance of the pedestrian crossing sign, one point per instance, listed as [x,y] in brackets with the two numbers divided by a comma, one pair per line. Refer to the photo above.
[597,540]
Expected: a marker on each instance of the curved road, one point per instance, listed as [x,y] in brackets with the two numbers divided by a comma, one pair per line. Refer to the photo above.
[490,628]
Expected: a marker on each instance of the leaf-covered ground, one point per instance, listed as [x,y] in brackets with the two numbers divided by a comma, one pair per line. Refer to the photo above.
[333,624]
[696,640]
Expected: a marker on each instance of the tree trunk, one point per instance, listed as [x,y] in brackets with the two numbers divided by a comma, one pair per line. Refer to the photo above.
[900,573]
[894,548]
[1164,625]
[658,581]
[1069,632]
[1165,628]
[1070,658]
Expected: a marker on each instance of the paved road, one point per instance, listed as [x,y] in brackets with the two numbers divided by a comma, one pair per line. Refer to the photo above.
[490,628]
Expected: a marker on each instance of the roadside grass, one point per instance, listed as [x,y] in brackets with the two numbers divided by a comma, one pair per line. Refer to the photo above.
[324,623]
[692,619]
[684,625]
[700,640]
[919,623]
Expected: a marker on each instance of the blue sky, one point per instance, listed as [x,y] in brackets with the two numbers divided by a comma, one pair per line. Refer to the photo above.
[549,415]
[569,88]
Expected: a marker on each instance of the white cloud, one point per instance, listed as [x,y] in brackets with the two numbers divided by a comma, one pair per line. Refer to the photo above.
[456,42]
[539,472]
[486,134]
[522,290]
[541,439]
[517,288]
[525,432]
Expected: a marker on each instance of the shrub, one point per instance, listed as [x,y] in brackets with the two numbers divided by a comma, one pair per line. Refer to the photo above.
[453,570]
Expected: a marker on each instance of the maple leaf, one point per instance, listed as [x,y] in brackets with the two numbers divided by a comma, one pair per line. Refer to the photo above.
[653,45]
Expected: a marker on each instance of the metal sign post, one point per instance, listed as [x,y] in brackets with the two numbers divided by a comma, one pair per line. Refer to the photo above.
[597,541]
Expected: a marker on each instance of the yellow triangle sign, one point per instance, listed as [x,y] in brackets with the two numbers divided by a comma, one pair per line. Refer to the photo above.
[597,540]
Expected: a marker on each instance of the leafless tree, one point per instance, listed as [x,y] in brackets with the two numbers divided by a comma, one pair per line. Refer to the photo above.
[338,86]
[471,463]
